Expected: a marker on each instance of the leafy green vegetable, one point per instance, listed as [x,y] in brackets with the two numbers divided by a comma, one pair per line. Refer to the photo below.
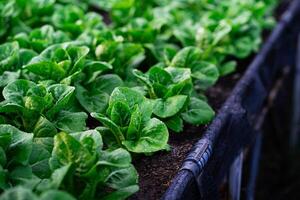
[94,96]
[9,56]
[15,148]
[129,121]
[58,61]
[40,38]
[123,56]
[205,73]
[172,89]
[139,68]
[93,166]
[39,108]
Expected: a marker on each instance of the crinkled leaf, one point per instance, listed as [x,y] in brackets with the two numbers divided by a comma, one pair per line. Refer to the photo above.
[159,75]
[71,121]
[8,77]
[84,136]
[92,101]
[67,150]
[46,69]
[15,91]
[22,175]
[20,145]
[169,107]
[186,57]
[116,131]
[153,137]
[120,114]
[95,68]
[9,55]
[107,83]
[199,112]
[179,74]
[62,94]
[39,160]
[206,74]
[25,56]
[175,123]
[44,128]
[135,125]
[127,96]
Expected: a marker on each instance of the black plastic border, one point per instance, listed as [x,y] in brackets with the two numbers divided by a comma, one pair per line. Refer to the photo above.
[235,117]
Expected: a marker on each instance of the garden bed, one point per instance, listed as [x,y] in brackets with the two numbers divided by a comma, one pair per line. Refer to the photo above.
[232,131]
[156,172]
[91,99]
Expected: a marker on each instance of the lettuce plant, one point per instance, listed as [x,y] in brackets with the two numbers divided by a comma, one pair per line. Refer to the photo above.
[205,74]
[41,38]
[123,56]
[39,109]
[129,124]
[174,99]
[15,148]
[58,62]
[94,96]
[9,56]
[76,158]
[92,168]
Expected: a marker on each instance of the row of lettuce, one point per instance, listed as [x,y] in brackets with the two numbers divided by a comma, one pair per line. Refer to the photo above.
[79,95]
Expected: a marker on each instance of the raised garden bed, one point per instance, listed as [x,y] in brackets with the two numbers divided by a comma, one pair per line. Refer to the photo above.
[218,157]
[79,85]
[157,172]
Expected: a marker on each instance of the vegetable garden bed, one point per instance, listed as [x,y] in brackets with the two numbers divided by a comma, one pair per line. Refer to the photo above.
[235,135]
[83,96]
[157,171]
